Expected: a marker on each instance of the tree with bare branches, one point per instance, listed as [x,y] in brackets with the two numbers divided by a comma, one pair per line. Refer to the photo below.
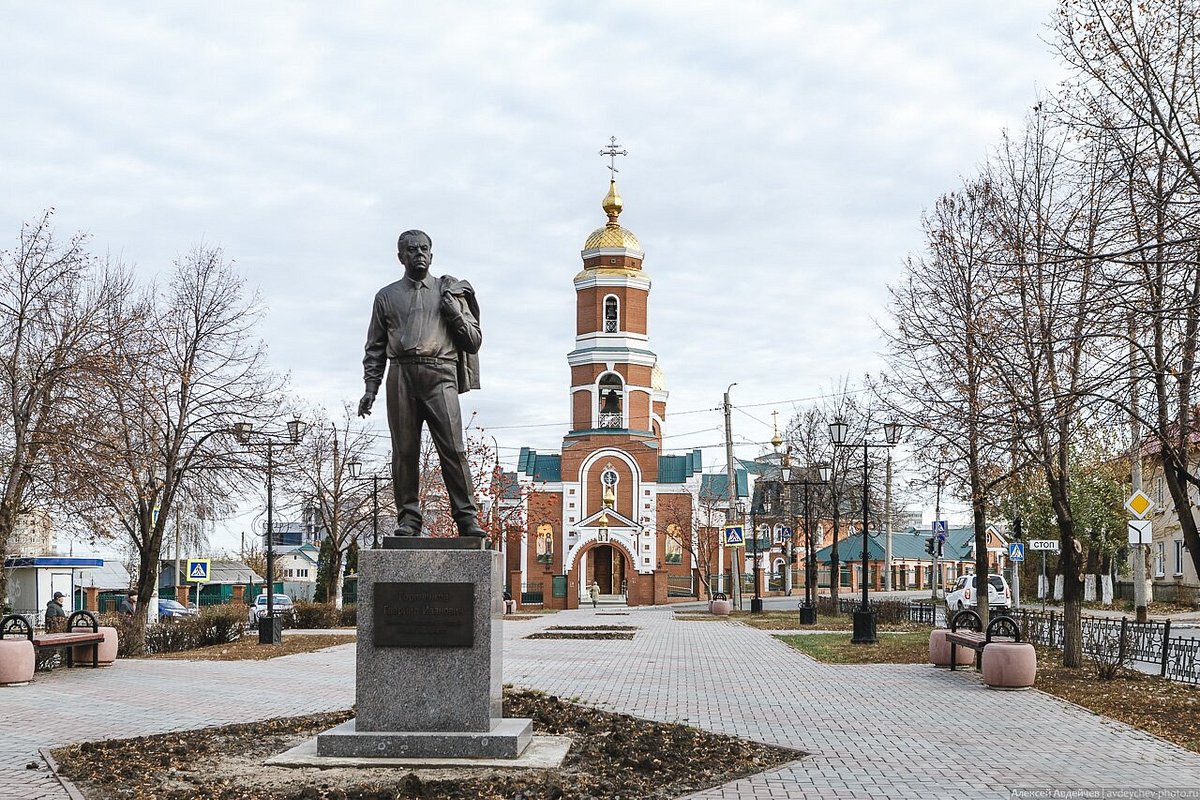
[54,345]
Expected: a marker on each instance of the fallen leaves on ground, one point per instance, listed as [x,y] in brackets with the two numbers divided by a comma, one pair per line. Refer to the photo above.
[248,649]
[592,628]
[580,635]
[612,757]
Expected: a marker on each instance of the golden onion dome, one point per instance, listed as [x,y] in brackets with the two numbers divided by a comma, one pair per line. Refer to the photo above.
[658,381]
[612,235]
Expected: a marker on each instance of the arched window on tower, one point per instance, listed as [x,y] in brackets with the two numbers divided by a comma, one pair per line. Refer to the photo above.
[612,396]
[611,315]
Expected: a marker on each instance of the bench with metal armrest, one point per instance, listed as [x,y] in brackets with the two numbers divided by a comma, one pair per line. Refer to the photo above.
[83,630]
[966,630]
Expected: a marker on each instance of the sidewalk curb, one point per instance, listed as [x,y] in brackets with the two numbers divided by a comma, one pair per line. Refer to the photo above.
[66,784]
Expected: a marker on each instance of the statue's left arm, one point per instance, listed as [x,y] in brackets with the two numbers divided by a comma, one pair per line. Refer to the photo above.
[460,310]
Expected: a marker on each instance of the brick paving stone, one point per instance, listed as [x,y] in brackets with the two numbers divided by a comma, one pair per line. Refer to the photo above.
[872,731]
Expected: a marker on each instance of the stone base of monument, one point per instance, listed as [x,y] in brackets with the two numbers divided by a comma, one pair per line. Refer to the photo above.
[543,752]
[507,738]
[428,664]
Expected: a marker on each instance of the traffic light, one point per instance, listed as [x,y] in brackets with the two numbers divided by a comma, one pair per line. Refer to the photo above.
[941,547]
[929,546]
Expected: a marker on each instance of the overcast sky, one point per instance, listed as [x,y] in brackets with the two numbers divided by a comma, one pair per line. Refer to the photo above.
[780,156]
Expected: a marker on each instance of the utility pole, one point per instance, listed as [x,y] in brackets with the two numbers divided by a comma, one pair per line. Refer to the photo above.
[1140,595]
[732,508]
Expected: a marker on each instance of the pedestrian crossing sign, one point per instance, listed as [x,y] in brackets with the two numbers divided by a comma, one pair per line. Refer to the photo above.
[197,570]
[1016,551]
[734,537]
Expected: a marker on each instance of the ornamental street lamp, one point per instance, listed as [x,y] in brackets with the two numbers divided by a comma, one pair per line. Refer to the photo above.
[243,431]
[758,507]
[864,617]
[356,474]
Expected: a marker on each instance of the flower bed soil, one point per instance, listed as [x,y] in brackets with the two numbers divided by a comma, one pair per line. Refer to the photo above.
[612,757]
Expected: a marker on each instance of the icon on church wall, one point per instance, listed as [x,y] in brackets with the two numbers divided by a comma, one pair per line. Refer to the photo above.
[545,543]
[673,552]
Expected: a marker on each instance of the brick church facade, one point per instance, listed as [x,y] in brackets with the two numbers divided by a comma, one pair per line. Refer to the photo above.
[610,507]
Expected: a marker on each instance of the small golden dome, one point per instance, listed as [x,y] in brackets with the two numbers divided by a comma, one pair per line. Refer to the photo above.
[612,235]
[658,381]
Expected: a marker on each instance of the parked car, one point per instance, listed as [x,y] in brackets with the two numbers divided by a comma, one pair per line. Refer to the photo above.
[172,609]
[283,607]
[962,595]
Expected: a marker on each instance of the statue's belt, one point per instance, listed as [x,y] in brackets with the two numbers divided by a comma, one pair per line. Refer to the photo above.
[432,360]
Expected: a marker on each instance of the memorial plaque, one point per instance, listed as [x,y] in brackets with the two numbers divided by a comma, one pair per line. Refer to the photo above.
[424,614]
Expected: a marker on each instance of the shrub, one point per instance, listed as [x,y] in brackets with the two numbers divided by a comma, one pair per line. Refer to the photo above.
[315,615]
[223,624]
[129,644]
[349,616]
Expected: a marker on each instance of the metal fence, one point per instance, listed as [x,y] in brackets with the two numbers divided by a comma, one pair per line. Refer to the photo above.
[681,586]
[532,594]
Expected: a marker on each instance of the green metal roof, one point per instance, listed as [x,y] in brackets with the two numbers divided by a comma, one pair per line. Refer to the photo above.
[677,469]
[540,466]
[715,486]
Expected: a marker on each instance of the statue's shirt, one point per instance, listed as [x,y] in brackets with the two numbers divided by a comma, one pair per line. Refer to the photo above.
[407,322]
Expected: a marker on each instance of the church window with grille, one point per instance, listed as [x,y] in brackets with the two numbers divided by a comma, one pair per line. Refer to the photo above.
[611,314]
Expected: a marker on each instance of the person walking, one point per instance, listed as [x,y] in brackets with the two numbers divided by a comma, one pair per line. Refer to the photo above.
[594,593]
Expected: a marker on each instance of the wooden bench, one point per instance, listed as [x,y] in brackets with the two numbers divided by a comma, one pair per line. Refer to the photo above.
[1001,628]
[83,630]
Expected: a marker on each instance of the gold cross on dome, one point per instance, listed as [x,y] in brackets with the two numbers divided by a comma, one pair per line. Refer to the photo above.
[612,152]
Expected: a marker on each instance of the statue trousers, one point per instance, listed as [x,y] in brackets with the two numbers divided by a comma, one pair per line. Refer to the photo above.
[425,391]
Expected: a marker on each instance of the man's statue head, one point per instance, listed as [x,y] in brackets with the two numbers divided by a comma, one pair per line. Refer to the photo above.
[415,251]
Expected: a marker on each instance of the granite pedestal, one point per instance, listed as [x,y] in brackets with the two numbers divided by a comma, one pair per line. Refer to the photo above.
[429,677]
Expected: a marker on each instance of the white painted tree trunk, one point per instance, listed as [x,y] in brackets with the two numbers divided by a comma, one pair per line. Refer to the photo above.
[1043,586]
[338,579]
[1106,590]
[1058,587]
[1089,588]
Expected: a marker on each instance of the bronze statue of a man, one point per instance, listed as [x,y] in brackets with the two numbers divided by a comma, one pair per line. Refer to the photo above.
[426,330]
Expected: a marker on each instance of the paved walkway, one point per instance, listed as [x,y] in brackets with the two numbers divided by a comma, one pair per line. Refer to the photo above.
[872,731]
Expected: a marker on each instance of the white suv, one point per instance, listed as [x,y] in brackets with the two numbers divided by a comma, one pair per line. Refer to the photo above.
[283,607]
[963,594]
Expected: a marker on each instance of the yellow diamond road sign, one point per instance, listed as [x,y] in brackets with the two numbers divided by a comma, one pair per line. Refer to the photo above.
[1139,504]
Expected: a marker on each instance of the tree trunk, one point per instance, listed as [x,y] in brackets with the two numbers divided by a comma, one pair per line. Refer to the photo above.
[339,577]
[1071,564]
[981,562]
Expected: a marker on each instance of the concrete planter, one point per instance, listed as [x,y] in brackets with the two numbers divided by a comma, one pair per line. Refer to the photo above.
[1009,665]
[939,650]
[16,662]
[107,654]
[719,607]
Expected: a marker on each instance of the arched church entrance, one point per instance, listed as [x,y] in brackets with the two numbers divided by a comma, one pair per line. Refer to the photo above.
[608,565]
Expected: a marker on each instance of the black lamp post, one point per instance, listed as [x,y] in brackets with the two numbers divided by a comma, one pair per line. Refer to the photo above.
[864,617]
[356,474]
[808,611]
[756,508]
[270,633]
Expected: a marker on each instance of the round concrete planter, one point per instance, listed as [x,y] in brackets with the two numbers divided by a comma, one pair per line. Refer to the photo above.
[939,650]
[719,607]
[1009,665]
[16,662]
[82,655]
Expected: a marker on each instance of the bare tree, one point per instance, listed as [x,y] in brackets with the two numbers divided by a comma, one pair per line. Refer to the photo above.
[54,298]
[321,474]
[944,312]
[1136,84]
[1049,218]
[163,423]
